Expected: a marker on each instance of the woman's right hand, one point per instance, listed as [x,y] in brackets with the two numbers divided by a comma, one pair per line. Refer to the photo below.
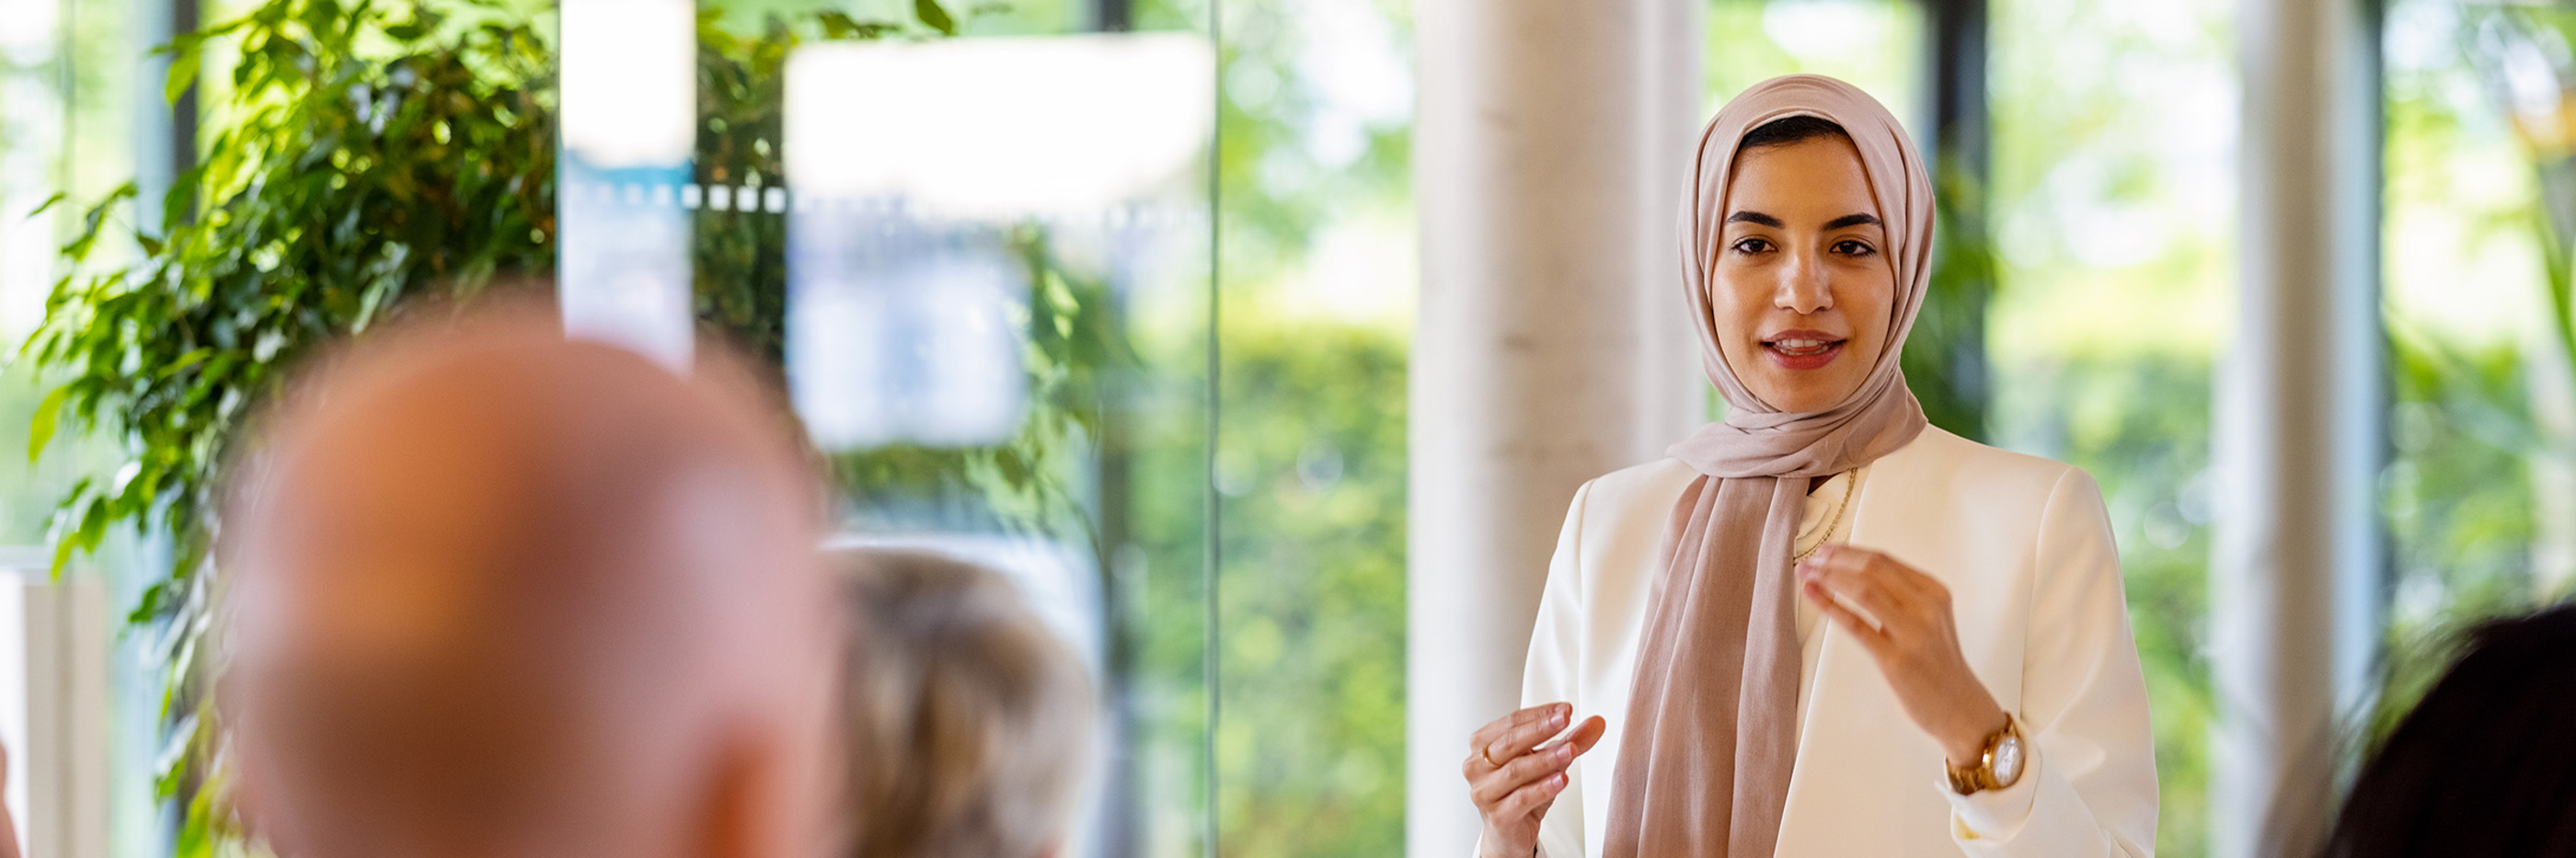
[1513,786]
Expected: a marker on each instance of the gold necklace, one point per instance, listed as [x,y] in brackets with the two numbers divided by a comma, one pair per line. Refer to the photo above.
[1840,507]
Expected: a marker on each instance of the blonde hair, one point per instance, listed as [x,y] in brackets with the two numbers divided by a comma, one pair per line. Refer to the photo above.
[970,720]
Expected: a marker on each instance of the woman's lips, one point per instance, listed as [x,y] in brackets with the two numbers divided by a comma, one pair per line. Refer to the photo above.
[1803,350]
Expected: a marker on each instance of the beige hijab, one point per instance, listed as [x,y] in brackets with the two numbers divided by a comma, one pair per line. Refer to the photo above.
[1704,766]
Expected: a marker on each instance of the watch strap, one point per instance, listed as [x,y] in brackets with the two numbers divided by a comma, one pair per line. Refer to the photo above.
[1970,780]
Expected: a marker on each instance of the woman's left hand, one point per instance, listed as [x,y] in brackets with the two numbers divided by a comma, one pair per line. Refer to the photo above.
[1914,640]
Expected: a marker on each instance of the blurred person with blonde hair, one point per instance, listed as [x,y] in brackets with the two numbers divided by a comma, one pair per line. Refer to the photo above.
[970,720]
[494,593]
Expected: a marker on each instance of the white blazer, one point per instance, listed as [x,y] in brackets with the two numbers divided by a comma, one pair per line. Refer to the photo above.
[2025,548]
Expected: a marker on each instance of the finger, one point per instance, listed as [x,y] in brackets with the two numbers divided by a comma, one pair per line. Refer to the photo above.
[1522,737]
[1532,799]
[1522,770]
[1586,735]
[1871,638]
[1844,555]
[1861,588]
[1898,576]
[1487,735]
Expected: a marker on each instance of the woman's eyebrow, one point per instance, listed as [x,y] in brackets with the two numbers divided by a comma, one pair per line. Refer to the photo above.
[1756,217]
[1852,220]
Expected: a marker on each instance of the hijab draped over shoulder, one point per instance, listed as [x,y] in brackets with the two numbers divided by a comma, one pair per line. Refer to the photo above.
[1711,738]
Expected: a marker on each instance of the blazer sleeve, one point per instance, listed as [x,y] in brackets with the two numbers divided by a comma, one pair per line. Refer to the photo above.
[2090,785]
[1552,672]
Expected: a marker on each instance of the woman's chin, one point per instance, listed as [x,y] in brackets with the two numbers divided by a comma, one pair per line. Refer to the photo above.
[1805,393]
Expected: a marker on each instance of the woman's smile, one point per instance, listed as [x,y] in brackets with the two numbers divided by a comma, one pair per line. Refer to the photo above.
[1803,349]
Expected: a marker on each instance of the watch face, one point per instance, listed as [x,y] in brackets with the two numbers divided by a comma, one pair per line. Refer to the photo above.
[2007,760]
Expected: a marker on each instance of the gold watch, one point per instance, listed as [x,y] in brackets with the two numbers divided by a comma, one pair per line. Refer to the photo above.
[1998,767]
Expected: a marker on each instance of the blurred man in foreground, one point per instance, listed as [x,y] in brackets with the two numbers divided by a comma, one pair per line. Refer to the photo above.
[499,594]
[8,832]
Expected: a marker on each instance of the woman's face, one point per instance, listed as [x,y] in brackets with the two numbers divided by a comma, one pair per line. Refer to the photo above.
[1802,285]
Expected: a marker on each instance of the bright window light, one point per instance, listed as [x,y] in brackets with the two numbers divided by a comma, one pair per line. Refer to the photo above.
[630,81]
[1062,125]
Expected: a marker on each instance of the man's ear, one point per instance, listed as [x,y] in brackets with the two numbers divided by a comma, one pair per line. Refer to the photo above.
[740,808]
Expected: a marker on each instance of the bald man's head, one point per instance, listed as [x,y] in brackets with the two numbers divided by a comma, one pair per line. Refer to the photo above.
[496,593]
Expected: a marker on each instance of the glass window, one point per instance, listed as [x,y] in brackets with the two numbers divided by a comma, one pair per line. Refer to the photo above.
[2113,201]
[2482,481]
[993,256]
[1316,296]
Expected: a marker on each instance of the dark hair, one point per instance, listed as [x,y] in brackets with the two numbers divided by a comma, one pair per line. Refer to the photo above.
[2486,764]
[1789,130]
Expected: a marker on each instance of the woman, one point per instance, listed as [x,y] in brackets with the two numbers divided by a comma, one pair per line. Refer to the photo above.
[970,720]
[1822,627]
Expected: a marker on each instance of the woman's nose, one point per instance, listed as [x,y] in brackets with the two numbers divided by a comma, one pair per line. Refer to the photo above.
[1803,286]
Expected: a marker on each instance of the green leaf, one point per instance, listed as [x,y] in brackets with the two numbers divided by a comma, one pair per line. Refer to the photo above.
[62,555]
[937,18]
[40,430]
[65,539]
[148,608]
[93,524]
[839,25]
[58,196]
[183,73]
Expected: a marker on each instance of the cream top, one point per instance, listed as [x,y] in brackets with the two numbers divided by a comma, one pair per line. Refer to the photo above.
[1832,505]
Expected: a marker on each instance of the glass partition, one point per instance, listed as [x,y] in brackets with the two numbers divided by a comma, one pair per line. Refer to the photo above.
[2113,204]
[982,232]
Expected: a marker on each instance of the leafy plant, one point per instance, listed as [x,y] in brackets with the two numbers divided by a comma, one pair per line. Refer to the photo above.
[337,186]
[1945,356]
[366,156]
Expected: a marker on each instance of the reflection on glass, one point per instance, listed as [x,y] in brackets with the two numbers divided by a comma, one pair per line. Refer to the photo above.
[629,122]
[992,246]
[901,285]
[900,331]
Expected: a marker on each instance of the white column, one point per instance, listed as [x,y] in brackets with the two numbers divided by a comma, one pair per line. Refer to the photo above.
[1551,140]
[2297,573]
[67,638]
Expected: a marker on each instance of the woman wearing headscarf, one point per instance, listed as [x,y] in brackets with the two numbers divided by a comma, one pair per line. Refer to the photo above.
[1822,627]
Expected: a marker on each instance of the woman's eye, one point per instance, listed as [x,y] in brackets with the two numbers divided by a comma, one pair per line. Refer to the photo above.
[1853,248]
[1752,245]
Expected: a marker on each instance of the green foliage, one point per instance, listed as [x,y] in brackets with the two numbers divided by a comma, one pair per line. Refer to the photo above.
[2458,504]
[2473,441]
[1945,355]
[341,186]
[1310,754]
[1310,440]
